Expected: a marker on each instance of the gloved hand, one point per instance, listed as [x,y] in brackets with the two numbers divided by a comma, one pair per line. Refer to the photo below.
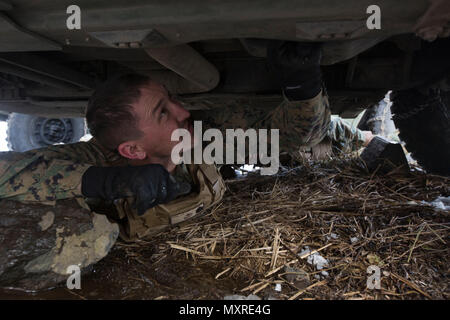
[150,185]
[297,65]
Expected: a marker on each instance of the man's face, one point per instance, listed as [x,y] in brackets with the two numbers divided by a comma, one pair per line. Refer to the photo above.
[159,115]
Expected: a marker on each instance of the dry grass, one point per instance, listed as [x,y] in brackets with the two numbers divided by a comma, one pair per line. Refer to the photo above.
[255,235]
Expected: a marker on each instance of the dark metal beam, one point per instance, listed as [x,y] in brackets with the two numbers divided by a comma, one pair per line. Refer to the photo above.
[15,38]
[33,76]
[4,6]
[48,68]
[27,108]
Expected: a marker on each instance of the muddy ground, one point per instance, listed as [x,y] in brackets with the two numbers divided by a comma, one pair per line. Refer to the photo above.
[254,242]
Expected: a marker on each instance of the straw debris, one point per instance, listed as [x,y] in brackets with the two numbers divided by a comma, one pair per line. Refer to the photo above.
[254,237]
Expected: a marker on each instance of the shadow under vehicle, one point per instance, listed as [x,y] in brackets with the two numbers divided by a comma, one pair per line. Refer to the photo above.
[213,53]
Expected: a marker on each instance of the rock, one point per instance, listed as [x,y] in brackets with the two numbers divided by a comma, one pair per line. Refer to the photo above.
[38,242]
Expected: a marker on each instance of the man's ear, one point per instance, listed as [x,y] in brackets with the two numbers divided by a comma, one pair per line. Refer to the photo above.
[132,150]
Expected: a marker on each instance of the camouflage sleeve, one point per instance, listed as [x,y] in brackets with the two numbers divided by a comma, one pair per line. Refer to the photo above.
[42,175]
[301,123]
[345,137]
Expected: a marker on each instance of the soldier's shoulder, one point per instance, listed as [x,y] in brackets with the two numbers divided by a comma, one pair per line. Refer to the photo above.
[66,151]
[11,156]
[90,152]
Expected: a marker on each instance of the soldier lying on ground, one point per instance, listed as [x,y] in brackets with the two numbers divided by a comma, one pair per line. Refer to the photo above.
[125,172]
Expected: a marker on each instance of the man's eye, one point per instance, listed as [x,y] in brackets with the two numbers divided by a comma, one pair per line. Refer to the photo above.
[173,97]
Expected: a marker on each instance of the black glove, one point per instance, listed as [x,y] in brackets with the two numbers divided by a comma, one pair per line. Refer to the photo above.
[150,185]
[297,65]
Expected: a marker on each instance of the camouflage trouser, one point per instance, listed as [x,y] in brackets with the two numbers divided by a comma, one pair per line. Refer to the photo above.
[302,124]
[39,242]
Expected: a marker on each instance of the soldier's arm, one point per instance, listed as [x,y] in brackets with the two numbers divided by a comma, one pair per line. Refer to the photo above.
[37,176]
[48,174]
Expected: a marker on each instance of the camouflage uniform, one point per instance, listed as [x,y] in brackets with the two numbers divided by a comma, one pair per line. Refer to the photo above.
[54,173]
[302,124]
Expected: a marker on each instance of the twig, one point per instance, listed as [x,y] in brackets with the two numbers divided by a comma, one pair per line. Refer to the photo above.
[412,285]
[320,283]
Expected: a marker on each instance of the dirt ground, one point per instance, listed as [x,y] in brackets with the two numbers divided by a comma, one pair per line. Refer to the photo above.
[310,232]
